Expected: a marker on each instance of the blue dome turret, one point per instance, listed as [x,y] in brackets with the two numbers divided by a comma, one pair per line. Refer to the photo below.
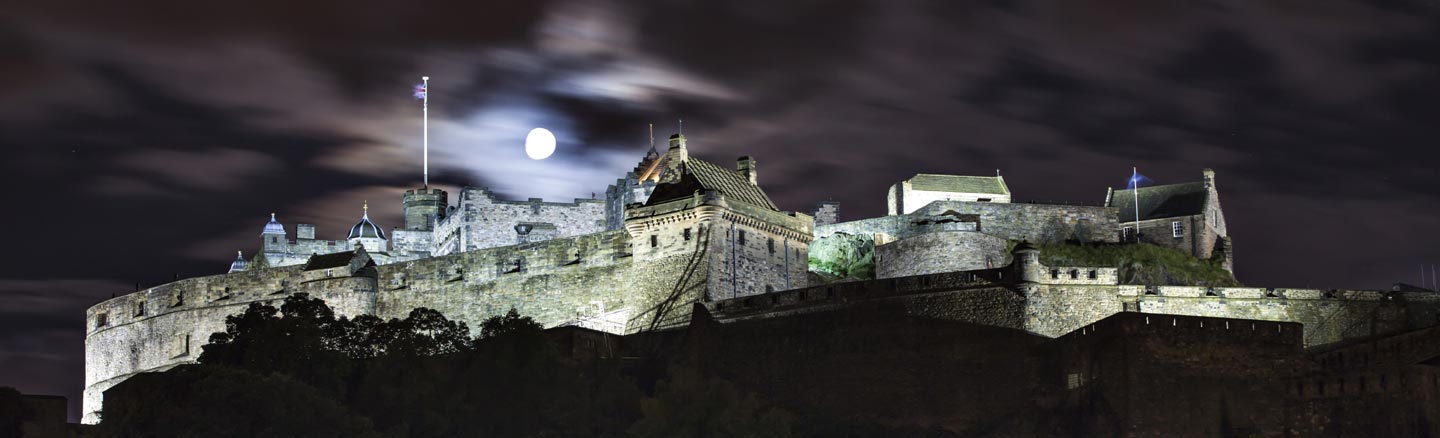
[274,226]
[240,263]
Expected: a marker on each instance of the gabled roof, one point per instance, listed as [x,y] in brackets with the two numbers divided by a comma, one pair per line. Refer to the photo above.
[702,175]
[1156,202]
[331,260]
[959,184]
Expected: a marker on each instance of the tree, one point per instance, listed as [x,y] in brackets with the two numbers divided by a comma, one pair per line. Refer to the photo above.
[223,402]
[693,406]
[509,324]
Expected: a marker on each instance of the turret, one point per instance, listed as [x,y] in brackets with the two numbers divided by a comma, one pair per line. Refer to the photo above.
[366,233]
[424,207]
[1027,263]
[273,238]
[240,263]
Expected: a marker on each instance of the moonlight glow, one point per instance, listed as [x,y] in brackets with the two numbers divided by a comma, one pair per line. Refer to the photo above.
[539,144]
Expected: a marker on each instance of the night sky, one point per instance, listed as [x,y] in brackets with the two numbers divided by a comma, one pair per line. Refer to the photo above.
[148,139]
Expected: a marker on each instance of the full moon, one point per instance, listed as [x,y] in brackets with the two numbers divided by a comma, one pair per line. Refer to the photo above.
[539,144]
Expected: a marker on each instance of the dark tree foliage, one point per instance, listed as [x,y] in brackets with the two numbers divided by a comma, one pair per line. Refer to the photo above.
[301,371]
[304,343]
[690,405]
[223,402]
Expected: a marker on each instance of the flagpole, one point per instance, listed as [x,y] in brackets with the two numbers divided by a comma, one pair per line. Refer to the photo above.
[426,130]
[1135,188]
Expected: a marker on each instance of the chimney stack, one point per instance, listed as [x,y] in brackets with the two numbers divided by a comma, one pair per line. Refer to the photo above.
[746,166]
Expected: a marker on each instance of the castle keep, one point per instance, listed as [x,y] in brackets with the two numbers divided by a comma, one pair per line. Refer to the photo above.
[678,231]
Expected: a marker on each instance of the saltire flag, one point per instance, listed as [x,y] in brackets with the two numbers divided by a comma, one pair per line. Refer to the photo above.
[420,91]
[1137,180]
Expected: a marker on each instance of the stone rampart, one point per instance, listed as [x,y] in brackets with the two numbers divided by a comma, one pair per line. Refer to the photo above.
[1036,223]
[166,325]
[940,252]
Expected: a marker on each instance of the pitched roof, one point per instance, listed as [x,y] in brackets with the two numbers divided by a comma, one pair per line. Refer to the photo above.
[728,182]
[703,175]
[331,260]
[959,184]
[1170,200]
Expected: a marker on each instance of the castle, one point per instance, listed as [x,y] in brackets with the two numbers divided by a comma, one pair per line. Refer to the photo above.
[678,231]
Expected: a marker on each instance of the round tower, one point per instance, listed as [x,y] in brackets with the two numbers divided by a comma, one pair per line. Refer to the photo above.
[1027,263]
[424,207]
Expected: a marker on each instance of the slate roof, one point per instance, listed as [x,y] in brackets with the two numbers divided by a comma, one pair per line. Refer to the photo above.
[1170,200]
[703,175]
[959,184]
[327,261]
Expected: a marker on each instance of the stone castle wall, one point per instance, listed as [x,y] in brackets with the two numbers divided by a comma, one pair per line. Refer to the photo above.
[166,325]
[592,280]
[1038,223]
[481,220]
[940,252]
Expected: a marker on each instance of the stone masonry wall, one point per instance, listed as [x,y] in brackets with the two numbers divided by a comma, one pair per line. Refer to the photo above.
[166,325]
[1038,223]
[481,220]
[940,252]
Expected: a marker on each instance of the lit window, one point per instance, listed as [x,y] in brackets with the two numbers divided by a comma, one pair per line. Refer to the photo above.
[1176,229]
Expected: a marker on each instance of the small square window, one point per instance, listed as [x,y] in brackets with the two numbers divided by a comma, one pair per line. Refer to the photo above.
[1176,229]
[102,320]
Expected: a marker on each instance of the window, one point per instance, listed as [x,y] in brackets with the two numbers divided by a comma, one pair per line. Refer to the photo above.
[102,320]
[983,200]
[654,241]
[1127,234]
[1055,274]
[771,245]
[1176,229]
[140,308]
[687,234]
[741,237]
[1074,274]
[1093,274]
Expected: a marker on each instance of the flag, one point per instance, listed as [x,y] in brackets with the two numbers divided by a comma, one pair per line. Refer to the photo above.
[1136,180]
[420,91]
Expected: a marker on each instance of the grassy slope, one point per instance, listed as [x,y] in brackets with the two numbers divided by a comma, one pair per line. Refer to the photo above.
[1141,264]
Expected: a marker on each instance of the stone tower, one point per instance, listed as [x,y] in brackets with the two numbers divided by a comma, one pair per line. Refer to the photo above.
[273,239]
[719,231]
[424,207]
